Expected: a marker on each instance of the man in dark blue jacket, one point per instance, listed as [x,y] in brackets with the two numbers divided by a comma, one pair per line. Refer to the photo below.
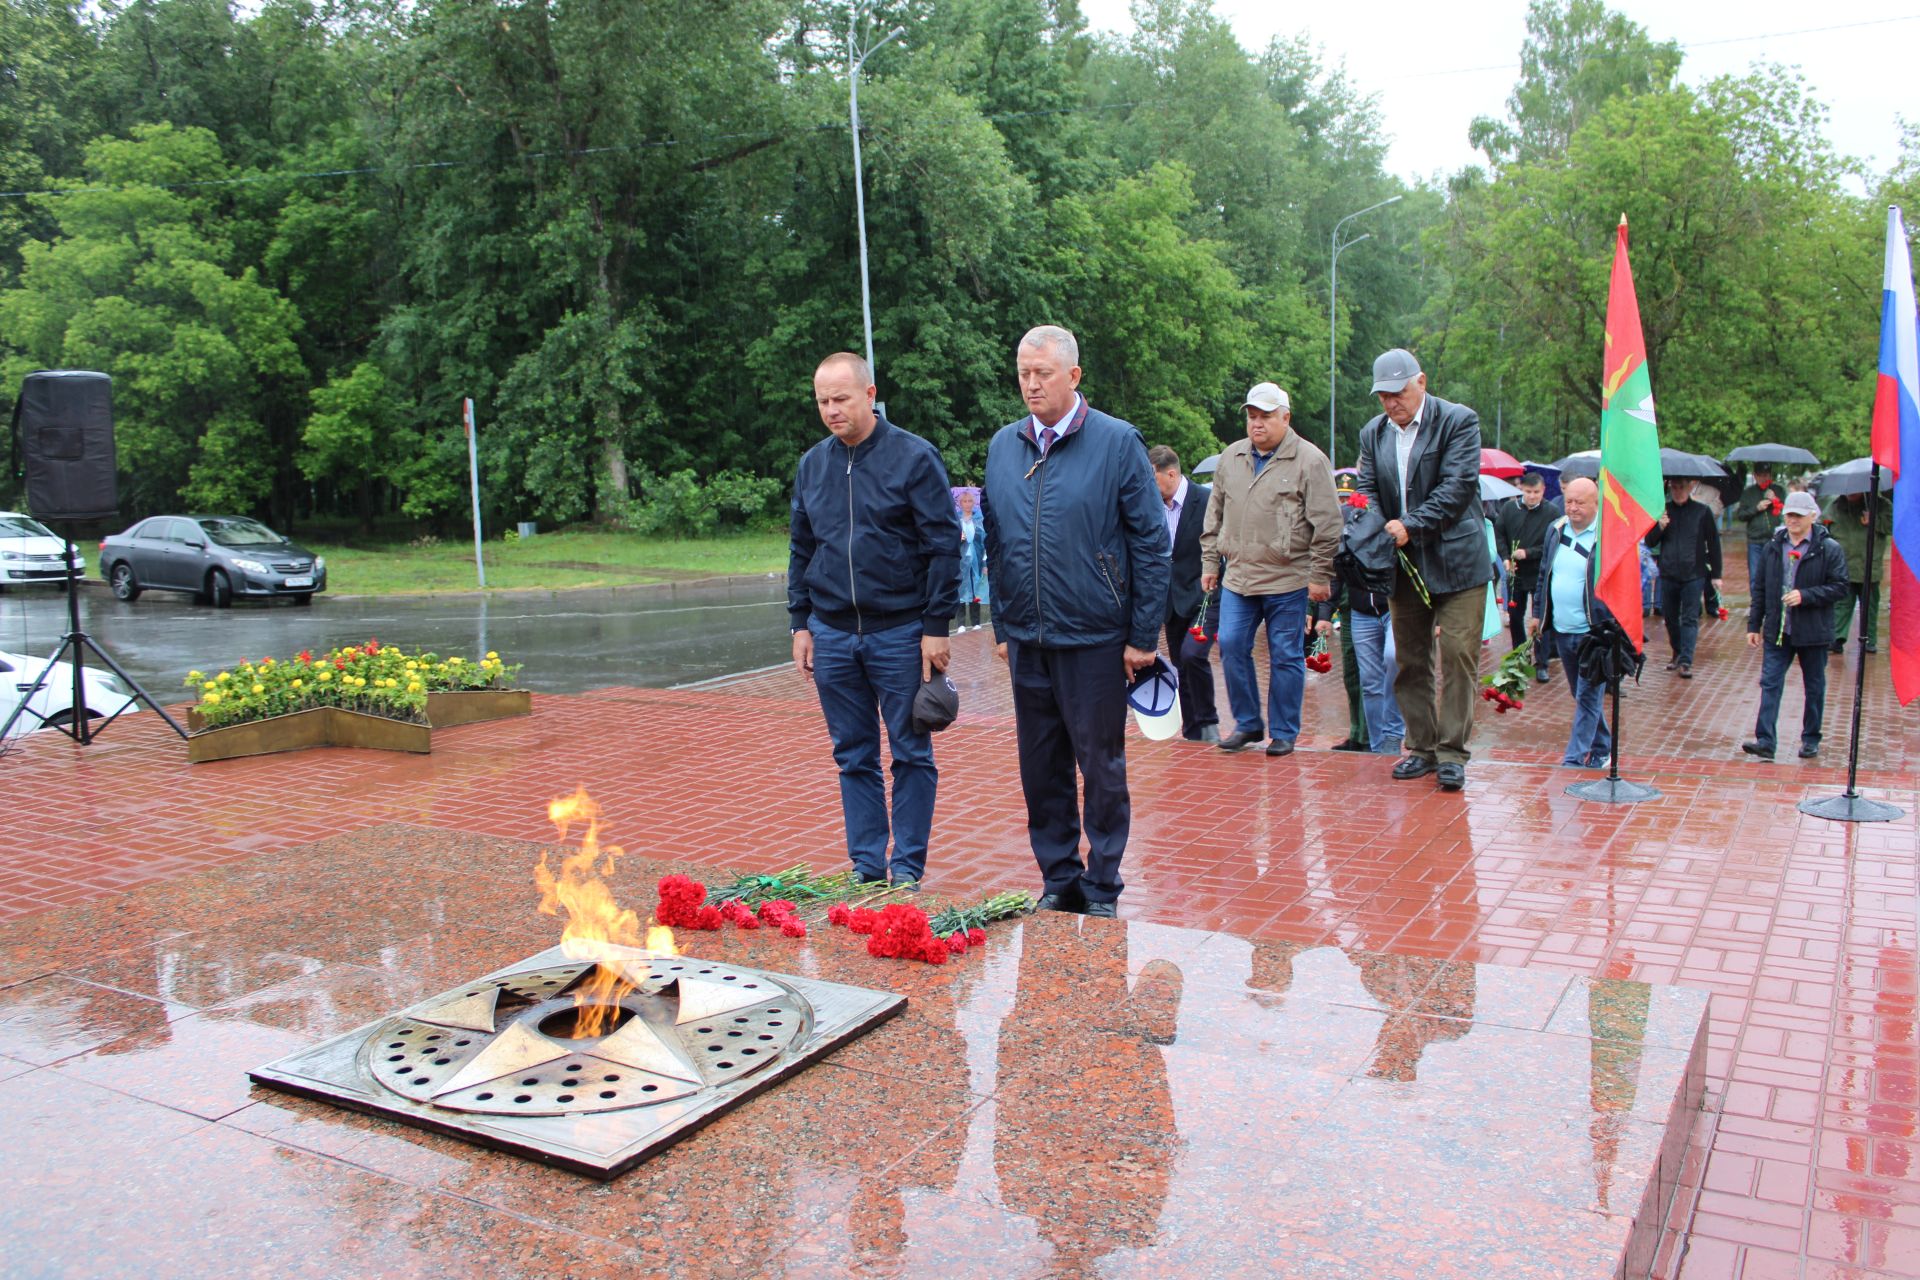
[1077,550]
[872,583]
[1803,574]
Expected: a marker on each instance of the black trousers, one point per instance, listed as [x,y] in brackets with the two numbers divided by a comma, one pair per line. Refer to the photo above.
[1193,663]
[1070,711]
[1518,598]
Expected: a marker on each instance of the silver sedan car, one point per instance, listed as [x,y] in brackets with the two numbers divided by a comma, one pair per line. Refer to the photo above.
[216,558]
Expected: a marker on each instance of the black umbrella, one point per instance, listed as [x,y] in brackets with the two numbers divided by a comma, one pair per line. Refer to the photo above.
[1676,465]
[1788,453]
[1849,477]
[1579,464]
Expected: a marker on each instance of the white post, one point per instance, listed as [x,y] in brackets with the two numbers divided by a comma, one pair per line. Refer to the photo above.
[856,58]
[473,473]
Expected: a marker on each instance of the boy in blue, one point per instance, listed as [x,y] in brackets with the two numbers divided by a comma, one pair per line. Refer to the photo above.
[1565,610]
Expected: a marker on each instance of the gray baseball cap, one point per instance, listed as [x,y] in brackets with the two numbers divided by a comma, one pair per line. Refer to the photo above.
[1800,503]
[1394,370]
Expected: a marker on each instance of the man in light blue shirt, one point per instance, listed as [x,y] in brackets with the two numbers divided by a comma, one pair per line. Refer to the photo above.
[1565,610]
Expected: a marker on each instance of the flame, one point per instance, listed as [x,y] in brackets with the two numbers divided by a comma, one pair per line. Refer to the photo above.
[594,920]
[660,941]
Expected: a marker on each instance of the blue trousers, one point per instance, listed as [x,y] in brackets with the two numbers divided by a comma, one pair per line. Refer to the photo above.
[1775,660]
[1070,710]
[1680,608]
[1373,650]
[1590,742]
[1754,551]
[864,680]
[1285,617]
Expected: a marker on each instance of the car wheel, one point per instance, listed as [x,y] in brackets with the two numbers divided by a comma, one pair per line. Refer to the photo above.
[305,597]
[219,589]
[124,585]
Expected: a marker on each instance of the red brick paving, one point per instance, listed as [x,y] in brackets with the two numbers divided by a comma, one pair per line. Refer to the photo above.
[1804,930]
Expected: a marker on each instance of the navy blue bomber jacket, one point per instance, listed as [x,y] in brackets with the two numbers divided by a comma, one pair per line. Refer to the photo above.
[873,542]
[1076,544]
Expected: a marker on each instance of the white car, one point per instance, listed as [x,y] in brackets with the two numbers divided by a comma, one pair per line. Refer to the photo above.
[105,692]
[29,552]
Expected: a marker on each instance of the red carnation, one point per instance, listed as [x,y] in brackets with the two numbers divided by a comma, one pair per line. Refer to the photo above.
[956,943]
[707,918]
[1358,501]
[976,937]
[793,928]
[935,954]
[838,914]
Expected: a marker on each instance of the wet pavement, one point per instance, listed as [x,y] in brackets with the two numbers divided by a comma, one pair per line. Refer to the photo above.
[652,636]
[163,928]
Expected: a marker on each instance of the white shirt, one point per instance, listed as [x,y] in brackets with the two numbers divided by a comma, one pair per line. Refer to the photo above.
[1174,504]
[1403,438]
[1060,427]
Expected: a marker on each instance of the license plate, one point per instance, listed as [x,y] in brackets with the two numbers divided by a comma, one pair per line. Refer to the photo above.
[300,582]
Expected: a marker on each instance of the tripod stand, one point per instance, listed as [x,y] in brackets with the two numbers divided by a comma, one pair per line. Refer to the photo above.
[79,643]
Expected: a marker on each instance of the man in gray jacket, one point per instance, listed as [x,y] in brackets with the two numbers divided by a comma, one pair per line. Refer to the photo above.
[1420,463]
[1275,518]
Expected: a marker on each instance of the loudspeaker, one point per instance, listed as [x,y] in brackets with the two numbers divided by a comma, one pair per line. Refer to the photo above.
[64,418]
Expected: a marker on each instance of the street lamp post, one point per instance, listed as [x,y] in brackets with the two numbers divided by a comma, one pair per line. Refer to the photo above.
[1333,315]
[856,58]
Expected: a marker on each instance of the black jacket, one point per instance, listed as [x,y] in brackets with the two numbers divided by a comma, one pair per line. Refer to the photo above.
[1447,539]
[1515,526]
[1821,579]
[1077,543]
[1183,592]
[1542,606]
[873,541]
[1689,547]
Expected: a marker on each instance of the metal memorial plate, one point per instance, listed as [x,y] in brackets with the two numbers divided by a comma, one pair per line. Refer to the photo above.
[499,1061]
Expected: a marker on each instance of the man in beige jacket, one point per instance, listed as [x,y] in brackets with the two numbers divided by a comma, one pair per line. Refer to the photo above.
[1275,520]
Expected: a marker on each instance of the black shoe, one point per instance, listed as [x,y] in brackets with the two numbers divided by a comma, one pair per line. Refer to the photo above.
[1280,747]
[1755,749]
[1451,777]
[1102,910]
[1808,752]
[1238,741]
[1540,676]
[1412,767]
[863,879]
[1205,733]
[1059,902]
[1686,671]
[1348,744]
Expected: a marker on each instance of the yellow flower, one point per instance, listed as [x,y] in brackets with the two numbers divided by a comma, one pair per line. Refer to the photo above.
[453,662]
[413,666]
[209,686]
[223,677]
[297,684]
[195,677]
[492,656]
[359,682]
[413,687]
[212,698]
[259,688]
[325,676]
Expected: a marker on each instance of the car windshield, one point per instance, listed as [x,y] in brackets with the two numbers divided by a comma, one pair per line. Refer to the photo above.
[23,527]
[239,531]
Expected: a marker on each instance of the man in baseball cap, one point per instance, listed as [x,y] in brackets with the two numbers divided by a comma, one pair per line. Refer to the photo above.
[1393,371]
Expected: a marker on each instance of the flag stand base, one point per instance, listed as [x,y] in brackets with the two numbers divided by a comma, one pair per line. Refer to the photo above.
[1613,791]
[1851,808]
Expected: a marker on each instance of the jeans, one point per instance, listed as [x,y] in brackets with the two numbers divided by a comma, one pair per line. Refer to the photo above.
[1755,550]
[864,680]
[1373,649]
[1285,617]
[1590,742]
[1680,607]
[1070,710]
[1350,679]
[1775,659]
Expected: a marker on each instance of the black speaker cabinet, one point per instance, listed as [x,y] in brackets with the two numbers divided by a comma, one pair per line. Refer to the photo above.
[65,421]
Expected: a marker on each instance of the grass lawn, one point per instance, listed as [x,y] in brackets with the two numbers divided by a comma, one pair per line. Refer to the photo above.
[572,558]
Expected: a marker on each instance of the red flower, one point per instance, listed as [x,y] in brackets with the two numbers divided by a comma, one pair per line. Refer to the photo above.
[793,928]
[373,646]
[956,943]
[1722,614]
[340,664]
[838,914]
[305,656]
[976,937]
[935,955]
[707,918]
[1358,501]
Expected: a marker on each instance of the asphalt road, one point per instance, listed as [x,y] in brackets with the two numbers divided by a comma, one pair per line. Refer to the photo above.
[667,634]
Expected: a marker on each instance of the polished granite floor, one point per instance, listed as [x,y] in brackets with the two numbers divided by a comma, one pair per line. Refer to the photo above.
[146,881]
[1077,1098]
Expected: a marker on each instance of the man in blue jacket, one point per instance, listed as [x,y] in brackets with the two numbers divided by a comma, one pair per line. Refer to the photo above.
[1077,550]
[872,583]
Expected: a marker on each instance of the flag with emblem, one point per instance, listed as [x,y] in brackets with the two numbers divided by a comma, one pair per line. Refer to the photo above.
[1630,487]
[1896,446]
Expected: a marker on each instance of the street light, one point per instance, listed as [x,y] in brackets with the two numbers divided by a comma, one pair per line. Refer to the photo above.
[1333,312]
[857,57]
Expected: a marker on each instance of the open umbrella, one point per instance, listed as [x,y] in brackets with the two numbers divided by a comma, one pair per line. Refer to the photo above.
[1494,462]
[1791,454]
[1550,474]
[1849,477]
[1494,489]
[1585,463]
[1208,466]
[1676,464]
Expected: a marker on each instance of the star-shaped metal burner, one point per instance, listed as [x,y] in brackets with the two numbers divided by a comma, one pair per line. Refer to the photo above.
[500,1060]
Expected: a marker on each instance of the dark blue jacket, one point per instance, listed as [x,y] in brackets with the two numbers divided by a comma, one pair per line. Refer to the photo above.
[874,542]
[1820,578]
[1076,544]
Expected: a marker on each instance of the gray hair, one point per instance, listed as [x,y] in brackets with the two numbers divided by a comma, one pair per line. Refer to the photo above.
[1051,337]
[861,368]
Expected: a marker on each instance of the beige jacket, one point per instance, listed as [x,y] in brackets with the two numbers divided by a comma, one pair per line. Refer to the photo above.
[1278,530]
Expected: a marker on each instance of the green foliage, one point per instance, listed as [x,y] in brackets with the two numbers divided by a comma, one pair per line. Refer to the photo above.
[681,505]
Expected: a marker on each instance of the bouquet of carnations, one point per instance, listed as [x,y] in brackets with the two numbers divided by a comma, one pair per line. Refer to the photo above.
[902,931]
[1509,681]
[1319,655]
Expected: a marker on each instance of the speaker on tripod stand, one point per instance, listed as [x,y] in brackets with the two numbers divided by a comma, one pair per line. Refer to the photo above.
[63,432]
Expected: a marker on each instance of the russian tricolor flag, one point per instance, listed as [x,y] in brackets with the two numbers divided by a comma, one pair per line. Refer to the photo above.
[1896,446]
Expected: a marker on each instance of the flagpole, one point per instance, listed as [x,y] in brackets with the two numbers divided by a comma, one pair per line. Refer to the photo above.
[1850,805]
